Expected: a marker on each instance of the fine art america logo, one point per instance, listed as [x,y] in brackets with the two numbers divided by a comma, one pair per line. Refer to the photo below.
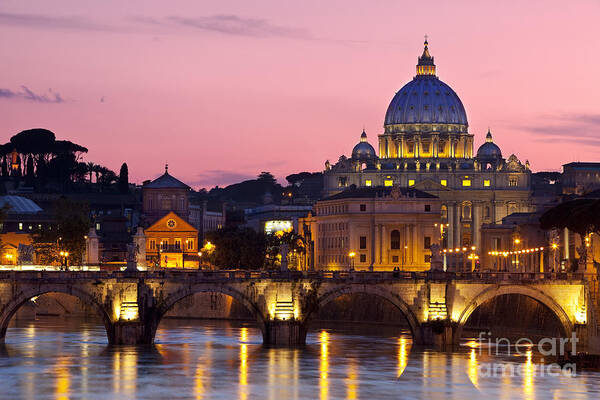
[553,348]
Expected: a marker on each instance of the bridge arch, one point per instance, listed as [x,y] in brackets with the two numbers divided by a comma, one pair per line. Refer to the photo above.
[9,309]
[164,306]
[493,292]
[397,301]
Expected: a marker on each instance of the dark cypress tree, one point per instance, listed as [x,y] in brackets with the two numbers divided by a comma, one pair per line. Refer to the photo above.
[124,179]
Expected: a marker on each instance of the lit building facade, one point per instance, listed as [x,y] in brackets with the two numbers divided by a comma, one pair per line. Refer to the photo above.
[373,229]
[171,241]
[426,145]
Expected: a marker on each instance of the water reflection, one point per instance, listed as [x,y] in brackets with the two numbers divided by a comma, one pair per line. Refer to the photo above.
[324,365]
[204,360]
[402,354]
[243,364]
[63,379]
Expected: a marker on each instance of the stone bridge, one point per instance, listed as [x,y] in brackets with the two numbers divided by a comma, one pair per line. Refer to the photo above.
[436,304]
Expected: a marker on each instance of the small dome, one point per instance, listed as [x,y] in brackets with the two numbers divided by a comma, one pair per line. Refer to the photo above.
[489,149]
[363,151]
[19,205]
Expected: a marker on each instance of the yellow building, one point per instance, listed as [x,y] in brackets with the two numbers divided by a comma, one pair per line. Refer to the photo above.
[171,242]
[376,229]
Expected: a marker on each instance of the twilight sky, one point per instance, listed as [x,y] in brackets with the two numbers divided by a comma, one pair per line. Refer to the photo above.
[225,89]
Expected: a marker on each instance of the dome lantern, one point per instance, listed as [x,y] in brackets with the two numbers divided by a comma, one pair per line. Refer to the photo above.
[425,66]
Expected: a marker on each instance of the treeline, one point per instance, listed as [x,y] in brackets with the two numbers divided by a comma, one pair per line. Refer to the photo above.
[37,159]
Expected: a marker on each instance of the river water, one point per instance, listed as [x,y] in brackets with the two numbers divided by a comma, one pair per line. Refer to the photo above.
[53,358]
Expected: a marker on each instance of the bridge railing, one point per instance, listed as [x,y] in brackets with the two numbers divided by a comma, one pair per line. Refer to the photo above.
[361,276]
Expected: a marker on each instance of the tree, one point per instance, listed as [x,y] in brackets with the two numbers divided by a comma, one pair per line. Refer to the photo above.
[124,179]
[267,177]
[241,248]
[581,216]
[71,224]
[91,167]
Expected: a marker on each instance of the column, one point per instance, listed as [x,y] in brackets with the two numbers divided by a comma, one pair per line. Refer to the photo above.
[401,146]
[457,232]
[384,247]
[477,226]
[418,147]
[566,243]
[377,243]
[450,227]
[407,244]
[373,244]
[411,247]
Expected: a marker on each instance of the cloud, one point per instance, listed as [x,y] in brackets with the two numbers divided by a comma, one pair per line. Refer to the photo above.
[211,178]
[229,25]
[30,95]
[51,22]
[579,128]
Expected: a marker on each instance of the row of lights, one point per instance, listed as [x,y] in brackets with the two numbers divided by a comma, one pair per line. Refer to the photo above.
[524,251]
[459,250]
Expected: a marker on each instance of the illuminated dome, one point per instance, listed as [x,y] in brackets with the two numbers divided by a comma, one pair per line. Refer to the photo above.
[489,150]
[426,103]
[363,151]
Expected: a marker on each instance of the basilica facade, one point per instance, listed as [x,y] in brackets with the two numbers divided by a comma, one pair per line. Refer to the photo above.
[426,145]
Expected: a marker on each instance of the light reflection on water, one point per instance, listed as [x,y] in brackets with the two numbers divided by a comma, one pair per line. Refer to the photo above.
[65,359]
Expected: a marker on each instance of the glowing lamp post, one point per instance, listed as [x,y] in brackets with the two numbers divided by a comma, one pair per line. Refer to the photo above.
[64,257]
[352,255]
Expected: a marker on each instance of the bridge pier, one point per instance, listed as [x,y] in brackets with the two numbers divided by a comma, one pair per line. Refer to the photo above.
[439,334]
[284,333]
[129,333]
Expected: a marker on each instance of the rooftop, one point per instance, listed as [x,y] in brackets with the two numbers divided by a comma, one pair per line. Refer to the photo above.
[379,191]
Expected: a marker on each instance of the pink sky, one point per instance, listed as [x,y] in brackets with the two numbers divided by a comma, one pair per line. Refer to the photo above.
[223,90]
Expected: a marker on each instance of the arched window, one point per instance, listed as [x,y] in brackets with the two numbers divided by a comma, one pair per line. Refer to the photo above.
[487,212]
[395,239]
[466,211]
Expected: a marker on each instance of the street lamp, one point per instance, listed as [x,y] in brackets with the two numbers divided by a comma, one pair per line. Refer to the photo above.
[352,255]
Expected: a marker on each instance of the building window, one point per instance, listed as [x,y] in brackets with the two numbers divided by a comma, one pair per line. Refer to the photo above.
[363,258]
[395,239]
[513,181]
[363,242]
[444,212]
[486,182]
[394,259]
[342,181]
[487,212]
[190,244]
[97,226]
[466,182]
[164,244]
[363,207]
[411,182]
[388,182]
[427,207]
[152,244]
[427,258]
[444,182]
[368,182]
[427,242]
